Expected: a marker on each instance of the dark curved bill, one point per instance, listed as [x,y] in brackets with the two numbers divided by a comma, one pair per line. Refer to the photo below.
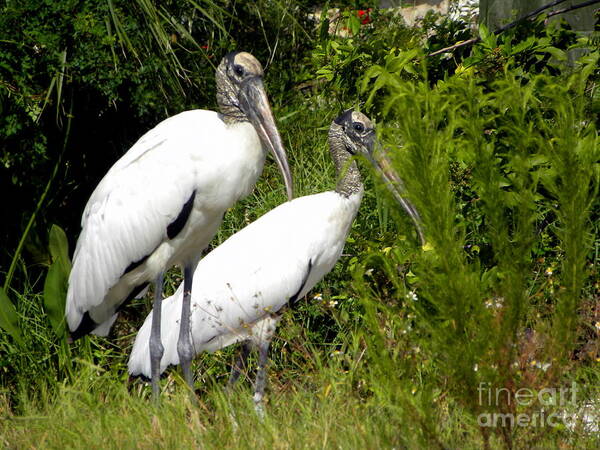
[255,104]
[396,186]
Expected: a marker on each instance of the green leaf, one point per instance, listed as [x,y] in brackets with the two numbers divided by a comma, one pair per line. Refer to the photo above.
[324,24]
[59,247]
[55,294]
[483,32]
[503,182]
[535,160]
[380,82]
[353,23]
[401,62]
[9,318]
[522,46]
[556,53]
[56,283]
[325,73]
[488,39]
[372,72]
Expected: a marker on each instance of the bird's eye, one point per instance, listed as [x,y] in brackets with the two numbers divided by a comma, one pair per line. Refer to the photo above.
[239,70]
[358,127]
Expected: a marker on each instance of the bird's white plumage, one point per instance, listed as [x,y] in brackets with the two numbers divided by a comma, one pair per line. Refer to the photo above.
[253,274]
[127,216]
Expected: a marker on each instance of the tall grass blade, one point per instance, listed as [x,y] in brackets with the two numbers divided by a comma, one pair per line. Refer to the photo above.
[120,30]
[60,77]
[211,17]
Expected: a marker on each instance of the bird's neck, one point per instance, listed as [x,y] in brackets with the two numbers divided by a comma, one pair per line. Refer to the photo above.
[231,114]
[349,180]
[227,101]
[348,176]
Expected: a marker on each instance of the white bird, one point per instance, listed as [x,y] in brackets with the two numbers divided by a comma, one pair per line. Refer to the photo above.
[243,286]
[163,201]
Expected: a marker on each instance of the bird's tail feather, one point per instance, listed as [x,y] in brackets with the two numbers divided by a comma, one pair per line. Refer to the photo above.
[139,360]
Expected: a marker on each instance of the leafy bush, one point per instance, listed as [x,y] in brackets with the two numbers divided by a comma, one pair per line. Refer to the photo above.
[500,298]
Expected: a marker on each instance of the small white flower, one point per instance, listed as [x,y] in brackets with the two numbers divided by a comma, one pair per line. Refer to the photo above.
[495,302]
[475,367]
[412,295]
[549,272]
[318,297]
[369,272]
[543,366]
[332,303]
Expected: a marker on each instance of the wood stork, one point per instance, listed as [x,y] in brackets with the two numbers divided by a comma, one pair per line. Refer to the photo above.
[243,286]
[163,201]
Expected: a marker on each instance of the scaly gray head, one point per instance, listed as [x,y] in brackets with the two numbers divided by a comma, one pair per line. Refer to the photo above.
[350,134]
[242,97]
[353,133]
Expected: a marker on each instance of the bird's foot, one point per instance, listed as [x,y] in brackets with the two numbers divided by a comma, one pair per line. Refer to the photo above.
[259,406]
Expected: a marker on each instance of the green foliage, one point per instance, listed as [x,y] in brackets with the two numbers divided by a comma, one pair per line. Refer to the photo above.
[530,48]
[322,411]
[531,152]
[341,60]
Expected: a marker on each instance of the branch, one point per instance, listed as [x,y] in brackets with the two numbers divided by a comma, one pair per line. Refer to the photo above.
[520,19]
[455,46]
[572,7]
[533,13]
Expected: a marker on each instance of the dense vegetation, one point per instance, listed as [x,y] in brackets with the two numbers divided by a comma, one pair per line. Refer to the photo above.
[401,344]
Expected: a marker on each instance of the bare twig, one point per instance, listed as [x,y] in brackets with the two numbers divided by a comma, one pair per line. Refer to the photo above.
[455,46]
[527,16]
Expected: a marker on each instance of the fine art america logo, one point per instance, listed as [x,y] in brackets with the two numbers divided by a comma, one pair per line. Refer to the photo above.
[557,406]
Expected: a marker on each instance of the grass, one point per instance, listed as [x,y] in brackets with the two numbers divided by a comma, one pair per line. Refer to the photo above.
[125,421]
[332,406]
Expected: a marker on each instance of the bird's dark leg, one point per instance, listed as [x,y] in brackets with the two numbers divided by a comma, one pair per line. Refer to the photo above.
[240,364]
[261,376]
[156,347]
[184,344]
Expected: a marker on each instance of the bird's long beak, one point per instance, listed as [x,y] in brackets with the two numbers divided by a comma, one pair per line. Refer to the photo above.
[396,186]
[255,104]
